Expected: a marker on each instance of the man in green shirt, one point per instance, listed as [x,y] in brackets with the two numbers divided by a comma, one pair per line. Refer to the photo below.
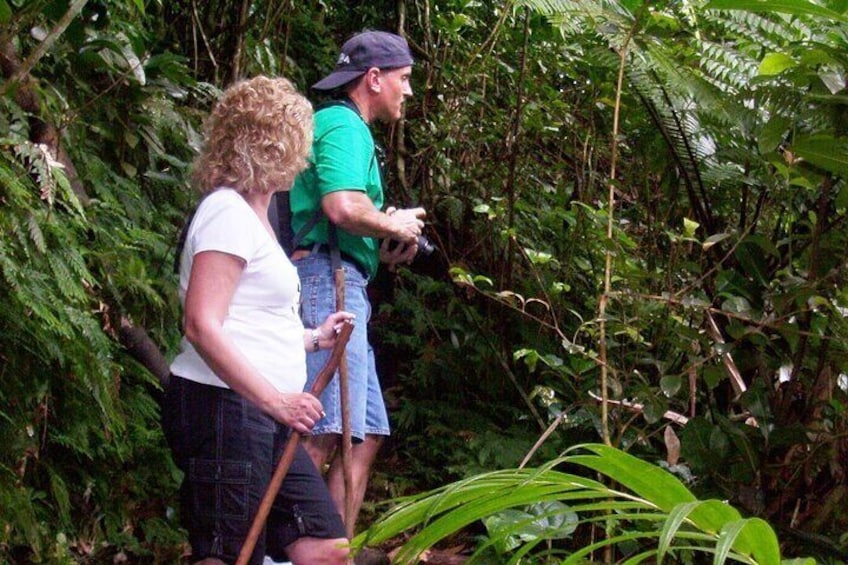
[371,81]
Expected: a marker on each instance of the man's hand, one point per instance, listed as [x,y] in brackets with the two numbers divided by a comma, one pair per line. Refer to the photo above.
[407,223]
[395,253]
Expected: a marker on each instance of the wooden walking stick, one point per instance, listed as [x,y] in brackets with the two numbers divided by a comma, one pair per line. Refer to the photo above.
[344,398]
[324,376]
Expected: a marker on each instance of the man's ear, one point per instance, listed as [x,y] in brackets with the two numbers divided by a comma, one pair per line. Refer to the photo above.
[372,78]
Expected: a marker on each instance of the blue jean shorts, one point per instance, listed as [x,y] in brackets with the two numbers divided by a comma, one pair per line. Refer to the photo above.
[228,450]
[367,409]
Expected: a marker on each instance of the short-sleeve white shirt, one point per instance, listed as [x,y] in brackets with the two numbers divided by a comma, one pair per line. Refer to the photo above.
[263,317]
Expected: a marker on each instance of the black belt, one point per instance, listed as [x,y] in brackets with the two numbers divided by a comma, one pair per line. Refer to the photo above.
[325,249]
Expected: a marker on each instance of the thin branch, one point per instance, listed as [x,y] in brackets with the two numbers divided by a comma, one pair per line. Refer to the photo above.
[717,265]
[490,41]
[199,26]
[736,380]
[545,435]
[39,52]
[72,115]
[511,375]
[512,143]
[399,128]
[236,72]
[675,417]
[772,323]
[537,276]
[602,303]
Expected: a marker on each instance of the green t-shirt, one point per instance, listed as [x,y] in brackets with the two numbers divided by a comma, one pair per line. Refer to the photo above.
[343,158]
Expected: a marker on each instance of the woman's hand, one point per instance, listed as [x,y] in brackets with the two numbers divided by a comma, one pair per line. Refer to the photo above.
[297,410]
[329,330]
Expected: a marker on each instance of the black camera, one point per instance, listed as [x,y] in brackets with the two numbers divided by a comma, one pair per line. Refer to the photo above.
[425,247]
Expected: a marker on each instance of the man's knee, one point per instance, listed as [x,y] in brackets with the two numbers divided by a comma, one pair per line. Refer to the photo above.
[368,448]
[320,448]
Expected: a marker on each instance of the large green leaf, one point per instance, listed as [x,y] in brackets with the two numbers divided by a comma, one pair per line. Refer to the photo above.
[825,151]
[753,537]
[676,519]
[653,484]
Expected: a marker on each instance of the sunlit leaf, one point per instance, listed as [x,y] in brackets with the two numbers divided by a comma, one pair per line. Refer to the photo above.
[689,227]
[776,63]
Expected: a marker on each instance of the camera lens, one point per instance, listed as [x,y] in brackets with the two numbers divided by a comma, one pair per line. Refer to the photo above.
[425,247]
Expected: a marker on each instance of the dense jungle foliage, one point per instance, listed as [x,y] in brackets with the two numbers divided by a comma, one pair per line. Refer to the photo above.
[640,212]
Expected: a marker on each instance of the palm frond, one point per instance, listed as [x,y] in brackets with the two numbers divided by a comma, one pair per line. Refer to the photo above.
[664,509]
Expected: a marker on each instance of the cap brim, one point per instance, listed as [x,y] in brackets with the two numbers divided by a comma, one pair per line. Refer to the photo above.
[336,79]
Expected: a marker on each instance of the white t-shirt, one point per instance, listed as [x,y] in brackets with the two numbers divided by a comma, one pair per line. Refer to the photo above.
[263,318]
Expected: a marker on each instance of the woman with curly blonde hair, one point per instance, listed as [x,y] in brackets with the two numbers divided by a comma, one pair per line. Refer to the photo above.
[236,386]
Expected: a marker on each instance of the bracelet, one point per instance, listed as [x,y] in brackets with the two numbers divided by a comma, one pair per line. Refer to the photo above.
[316,333]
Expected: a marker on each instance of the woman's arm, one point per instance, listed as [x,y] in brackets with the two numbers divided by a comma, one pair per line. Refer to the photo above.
[212,283]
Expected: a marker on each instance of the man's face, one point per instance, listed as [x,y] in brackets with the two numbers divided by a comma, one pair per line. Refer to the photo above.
[394,88]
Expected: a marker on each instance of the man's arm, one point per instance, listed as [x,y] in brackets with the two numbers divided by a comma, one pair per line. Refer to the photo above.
[354,212]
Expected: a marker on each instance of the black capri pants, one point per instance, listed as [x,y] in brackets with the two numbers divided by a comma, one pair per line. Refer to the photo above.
[228,450]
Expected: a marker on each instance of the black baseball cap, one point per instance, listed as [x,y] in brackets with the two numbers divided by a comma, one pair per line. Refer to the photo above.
[364,50]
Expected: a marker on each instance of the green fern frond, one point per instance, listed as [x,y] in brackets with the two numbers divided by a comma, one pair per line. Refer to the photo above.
[36,159]
[726,67]
[20,232]
[11,173]
[89,328]
[35,299]
[603,57]
[76,263]
[9,268]
[609,20]
[67,194]
[754,29]
[69,287]
[780,101]
[59,490]
[685,84]
[35,233]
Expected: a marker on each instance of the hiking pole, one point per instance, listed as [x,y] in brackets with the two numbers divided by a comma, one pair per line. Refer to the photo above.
[344,398]
[286,458]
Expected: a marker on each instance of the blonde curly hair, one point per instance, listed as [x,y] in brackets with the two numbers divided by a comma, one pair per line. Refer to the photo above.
[257,138]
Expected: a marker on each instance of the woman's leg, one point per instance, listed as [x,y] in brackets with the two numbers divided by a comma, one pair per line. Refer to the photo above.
[315,551]
[304,524]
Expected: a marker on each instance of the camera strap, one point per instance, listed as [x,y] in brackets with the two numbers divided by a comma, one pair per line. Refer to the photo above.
[283,209]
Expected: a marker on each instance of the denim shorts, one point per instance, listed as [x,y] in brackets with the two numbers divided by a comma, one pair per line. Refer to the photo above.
[367,409]
[228,450]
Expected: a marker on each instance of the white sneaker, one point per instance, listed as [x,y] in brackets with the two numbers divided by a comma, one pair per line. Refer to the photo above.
[269,561]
